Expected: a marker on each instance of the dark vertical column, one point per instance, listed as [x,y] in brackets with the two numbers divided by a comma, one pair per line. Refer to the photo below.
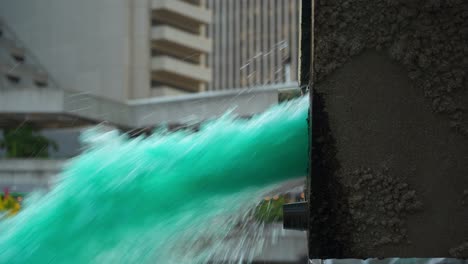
[304,68]
[306,44]
[324,193]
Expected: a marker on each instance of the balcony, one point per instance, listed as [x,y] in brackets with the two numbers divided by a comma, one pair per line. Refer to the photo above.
[173,41]
[10,47]
[19,73]
[181,14]
[179,73]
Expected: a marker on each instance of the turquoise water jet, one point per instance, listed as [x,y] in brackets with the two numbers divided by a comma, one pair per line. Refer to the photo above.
[171,197]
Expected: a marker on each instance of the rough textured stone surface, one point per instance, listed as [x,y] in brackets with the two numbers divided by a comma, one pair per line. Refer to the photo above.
[460,251]
[465,197]
[375,209]
[428,37]
[379,204]
[413,117]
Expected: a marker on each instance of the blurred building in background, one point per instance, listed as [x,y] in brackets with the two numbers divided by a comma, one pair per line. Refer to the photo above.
[179,46]
[70,63]
[255,42]
[134,64]
[118,49]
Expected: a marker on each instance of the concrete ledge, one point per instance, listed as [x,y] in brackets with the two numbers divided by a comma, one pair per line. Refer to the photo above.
[45,165]
[140,112]
[179,67]
[26,175]
[195,13]
[97,109]
[178,37]
[31,100]
[202,106]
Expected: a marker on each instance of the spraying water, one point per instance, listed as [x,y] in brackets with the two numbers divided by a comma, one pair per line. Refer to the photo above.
[167,198]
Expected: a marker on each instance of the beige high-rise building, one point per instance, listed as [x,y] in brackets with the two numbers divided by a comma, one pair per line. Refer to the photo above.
[255,42]
[69,63]
[179,46]
[116,49]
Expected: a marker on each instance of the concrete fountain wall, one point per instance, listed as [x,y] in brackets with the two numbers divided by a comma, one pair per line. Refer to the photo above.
[390,129]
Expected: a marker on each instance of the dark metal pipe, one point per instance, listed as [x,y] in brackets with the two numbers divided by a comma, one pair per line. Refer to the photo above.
[295,216]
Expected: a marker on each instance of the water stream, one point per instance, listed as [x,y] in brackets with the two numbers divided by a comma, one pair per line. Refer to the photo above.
[172,197]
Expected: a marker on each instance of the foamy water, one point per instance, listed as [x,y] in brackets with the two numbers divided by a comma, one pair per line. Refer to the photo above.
[167,198]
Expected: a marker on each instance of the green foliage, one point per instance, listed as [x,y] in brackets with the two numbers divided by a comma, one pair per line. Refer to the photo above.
[26,142]
[270,211]
[9,203]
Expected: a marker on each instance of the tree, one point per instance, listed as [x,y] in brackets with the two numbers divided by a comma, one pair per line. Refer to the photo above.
[26,142]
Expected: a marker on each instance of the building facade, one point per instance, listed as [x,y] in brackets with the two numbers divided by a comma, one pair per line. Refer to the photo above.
[117,49]
[71,64]
[122,61]
[255,43]
[179,47]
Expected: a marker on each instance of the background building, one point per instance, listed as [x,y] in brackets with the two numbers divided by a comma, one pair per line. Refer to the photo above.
[255,42]
[67,64]
[179,47]
[109,61]
[116,49]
